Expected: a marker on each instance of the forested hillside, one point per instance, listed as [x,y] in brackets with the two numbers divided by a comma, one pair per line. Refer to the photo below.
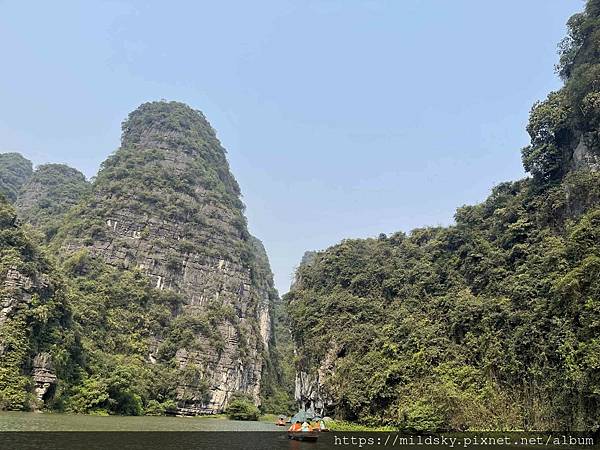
[48,194]
[492,323]
[15,170]
[170,298]
[165,205]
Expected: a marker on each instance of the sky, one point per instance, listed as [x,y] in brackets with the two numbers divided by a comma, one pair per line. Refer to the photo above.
[341,118]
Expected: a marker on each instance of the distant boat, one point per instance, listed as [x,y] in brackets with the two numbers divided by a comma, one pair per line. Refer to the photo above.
[306,432]
[281,421]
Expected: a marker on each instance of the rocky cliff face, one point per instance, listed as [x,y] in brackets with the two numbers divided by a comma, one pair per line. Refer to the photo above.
[310,383]
[166,204]
[586,156]
[15,170]
[33,318]
[49,193]
[311,391]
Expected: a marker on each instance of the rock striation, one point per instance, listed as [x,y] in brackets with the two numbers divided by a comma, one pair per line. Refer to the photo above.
[165,203]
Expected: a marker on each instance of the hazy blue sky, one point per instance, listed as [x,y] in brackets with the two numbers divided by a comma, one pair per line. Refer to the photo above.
[341,118]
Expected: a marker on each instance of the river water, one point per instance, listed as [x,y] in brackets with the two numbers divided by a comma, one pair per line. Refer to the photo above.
[50,431]
[26,421]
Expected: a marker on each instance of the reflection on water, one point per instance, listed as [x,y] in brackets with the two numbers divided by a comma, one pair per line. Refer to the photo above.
[24,421]
[48,431]
[157,440]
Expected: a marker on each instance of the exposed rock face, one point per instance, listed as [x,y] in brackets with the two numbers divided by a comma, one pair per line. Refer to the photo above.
[43,375]
[166,203]
[15,170]
[49,193]
[310,390]
[16,294]
[268,294]
[33,314]
[17,289]
[585,157]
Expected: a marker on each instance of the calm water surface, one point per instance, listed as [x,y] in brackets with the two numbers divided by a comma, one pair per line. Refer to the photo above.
[49,431]
[27,421]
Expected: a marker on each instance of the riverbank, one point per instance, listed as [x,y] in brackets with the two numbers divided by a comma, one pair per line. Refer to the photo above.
[340,425]
[336,425]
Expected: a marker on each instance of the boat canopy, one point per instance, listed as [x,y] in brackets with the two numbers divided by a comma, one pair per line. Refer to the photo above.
[303,416]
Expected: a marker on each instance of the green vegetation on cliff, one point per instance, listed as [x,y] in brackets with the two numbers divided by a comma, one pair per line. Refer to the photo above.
[170,296]
[15,170]
[492,323]
[35,317]
[94,322]
[49,194]
[170,167]
[119,316]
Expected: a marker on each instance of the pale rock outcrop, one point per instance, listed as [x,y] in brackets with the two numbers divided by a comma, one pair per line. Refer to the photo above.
[44,375]
[585,157]
[311,385]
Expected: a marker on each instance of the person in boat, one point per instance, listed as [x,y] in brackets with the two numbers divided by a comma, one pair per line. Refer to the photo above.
[319,424]
[306,427]
[296,426]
